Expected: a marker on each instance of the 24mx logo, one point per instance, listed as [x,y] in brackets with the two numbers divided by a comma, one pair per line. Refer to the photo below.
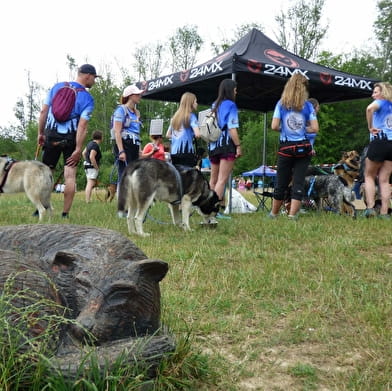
[204,69]
[271,69]
[163,82]
[350,82]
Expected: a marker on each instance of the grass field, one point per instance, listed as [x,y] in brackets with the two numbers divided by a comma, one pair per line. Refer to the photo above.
[265,304]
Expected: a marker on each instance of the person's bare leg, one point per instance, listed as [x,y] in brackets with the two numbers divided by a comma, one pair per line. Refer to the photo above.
[70,187]
[295,206]
[214,175]
[384,186]
[370,175]
[225,169]
[276,205]
[89,188]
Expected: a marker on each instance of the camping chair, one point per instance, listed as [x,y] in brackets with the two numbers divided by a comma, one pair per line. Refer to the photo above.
[262,198]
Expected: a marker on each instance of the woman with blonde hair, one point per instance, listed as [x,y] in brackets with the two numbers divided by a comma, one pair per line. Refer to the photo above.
[294,117]
[378,163]
[183,129]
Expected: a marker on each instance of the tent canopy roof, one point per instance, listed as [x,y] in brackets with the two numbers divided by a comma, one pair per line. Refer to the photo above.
[261,69]
[260,171]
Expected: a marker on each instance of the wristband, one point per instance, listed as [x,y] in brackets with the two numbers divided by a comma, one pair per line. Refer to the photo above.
[121,152]
[237,145]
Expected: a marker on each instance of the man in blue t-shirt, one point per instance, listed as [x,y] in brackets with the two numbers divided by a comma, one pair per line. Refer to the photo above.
[67,138]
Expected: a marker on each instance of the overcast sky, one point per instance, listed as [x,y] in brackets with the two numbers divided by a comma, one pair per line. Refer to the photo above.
[37,35]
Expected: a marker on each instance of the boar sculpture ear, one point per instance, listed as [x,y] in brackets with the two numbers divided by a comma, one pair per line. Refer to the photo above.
[154,269]
[63,262]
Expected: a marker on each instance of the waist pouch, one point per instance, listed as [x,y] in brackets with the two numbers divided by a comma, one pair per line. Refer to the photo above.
[54,139]
[131,139]
[295,149]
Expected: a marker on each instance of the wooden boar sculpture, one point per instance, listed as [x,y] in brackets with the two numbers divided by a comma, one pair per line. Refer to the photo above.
[104,282]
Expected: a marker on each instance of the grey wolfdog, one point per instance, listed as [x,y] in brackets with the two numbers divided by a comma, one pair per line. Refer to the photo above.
[29,176]
[146,180]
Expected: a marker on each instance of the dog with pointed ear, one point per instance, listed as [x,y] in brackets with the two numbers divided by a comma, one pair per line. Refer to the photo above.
[348,166]
[32,177]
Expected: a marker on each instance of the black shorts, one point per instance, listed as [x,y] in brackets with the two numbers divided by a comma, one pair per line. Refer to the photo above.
[184,159]
[131,148]
[55,145]
[379,150]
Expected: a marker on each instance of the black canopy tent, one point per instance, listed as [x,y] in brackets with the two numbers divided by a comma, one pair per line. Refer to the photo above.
[261,68]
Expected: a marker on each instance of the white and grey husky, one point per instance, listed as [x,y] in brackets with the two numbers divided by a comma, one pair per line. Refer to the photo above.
[29,176]
[146,180]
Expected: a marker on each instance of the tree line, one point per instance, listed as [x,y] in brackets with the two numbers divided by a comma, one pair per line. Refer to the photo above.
[342,125]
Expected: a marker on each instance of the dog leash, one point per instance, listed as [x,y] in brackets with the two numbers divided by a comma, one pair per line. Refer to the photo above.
[111,175]
[148,216]
[310,191]
[37,151]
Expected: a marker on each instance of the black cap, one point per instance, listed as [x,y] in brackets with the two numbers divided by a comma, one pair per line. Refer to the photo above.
[87,68]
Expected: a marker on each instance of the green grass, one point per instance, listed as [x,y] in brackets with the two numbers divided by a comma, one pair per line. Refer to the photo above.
[259,304]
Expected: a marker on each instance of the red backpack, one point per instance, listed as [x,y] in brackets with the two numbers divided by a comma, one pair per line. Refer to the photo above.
[63,102]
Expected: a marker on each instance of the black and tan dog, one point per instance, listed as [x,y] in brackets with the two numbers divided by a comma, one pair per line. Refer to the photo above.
[336,189]
[348,167]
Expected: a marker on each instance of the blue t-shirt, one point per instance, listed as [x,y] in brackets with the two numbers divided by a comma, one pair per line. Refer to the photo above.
[131,124]
[227,119]
[182,139]
[293,123]
[382,119]
[84,106]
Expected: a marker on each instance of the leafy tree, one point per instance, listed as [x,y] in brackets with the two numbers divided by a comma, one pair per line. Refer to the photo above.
[33,106]
[300,30]
[106,97]
[71,65]
[149,61]
[359,62]
[8,145]
[184,47]
[252,127]
[383,30]
[19,131]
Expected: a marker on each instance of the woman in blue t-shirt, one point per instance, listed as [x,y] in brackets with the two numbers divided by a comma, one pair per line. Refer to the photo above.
[127,124]
[293,117]
[379,154]
[227,148]
[183,129]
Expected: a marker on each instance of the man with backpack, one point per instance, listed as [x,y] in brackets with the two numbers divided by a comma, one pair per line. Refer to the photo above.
[62,126]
